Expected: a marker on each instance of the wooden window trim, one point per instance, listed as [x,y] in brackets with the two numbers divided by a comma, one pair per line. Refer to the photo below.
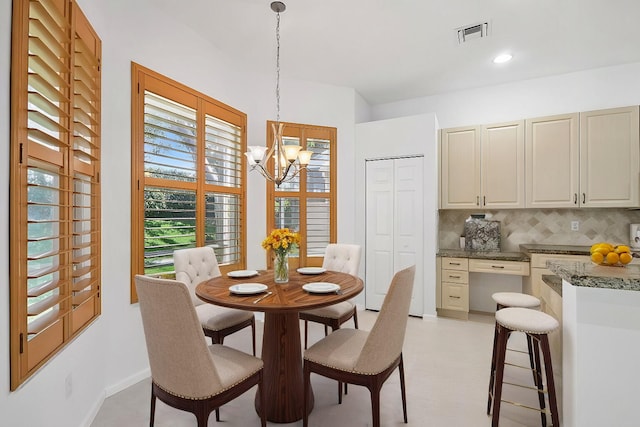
[304,132]
[72,60]
[146,79]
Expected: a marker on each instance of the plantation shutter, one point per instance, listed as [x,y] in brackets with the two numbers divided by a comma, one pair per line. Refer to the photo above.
[307,203]
[188,175]
[55,206]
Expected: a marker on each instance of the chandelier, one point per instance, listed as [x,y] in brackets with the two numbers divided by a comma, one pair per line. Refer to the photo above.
[289,160]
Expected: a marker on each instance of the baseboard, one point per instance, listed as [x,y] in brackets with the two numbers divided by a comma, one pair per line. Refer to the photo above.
[127,382]
[91,416]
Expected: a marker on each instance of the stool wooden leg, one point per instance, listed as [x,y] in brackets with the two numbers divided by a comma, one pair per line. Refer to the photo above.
[534,351]
[503,335]
[548,369]
[492,376]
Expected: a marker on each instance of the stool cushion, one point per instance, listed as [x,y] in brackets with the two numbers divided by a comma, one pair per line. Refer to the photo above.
[525,320]
[515,299]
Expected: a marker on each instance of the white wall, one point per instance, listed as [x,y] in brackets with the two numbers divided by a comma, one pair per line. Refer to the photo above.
[398,137]
[137,31]
[581,91]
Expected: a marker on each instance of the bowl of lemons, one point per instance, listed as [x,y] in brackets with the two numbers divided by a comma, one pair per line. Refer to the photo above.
[613,255]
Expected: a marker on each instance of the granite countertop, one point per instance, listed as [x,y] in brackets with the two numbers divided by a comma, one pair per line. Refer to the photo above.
[597,276]
[502,256]
[554,282]
[555,249]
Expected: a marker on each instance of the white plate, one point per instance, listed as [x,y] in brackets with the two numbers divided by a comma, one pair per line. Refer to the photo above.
[242,273]
[247,288]
[311,270]
[321,287]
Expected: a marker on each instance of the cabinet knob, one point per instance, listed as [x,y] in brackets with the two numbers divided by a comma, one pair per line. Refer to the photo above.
[575,198]
[584,198]
[497,266]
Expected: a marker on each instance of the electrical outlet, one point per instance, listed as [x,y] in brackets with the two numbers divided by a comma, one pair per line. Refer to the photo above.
[68,386]
[575,225]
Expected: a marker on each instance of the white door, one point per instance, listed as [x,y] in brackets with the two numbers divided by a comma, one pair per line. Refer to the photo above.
[394,227]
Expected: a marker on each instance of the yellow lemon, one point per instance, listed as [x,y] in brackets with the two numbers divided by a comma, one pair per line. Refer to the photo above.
[603,250]
[620,249]
[597,257]
[612,258]
[625,258]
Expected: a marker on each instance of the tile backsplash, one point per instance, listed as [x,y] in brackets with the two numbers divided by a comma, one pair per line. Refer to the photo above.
[544,226]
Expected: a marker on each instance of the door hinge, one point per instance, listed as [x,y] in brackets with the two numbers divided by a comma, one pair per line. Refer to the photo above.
[21,343]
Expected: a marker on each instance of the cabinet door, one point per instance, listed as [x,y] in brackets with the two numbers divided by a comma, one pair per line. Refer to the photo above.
[502,166]
[609,158]
[460,168]
[551,169]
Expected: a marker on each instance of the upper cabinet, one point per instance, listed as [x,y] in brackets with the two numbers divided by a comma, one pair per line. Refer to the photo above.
[482,167]
[460,168]
[552,174]
[590,159]
[609,158]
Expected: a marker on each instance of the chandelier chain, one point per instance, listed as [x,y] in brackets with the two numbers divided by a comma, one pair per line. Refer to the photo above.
[278,68]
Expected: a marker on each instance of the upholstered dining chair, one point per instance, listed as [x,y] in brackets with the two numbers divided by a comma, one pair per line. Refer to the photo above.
[366,358]
[195,265]
[186,373]
[344,258]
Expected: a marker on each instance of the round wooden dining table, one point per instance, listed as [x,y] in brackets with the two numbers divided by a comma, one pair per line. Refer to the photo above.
[281,349]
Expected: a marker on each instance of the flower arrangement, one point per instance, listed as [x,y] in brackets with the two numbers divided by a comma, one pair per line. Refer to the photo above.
[280,241]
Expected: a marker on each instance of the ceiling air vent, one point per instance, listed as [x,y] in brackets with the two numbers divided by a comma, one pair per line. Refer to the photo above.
[472,32]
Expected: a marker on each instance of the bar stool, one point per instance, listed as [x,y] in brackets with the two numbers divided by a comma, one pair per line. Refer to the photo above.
[503,300]
[536,325]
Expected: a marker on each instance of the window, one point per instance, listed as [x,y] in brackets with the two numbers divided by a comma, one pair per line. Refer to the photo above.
[307,203]
[188,175]
[55,180]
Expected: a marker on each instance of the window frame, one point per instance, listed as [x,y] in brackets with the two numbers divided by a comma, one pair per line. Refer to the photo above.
[70,109]
[305,132]
[144,79]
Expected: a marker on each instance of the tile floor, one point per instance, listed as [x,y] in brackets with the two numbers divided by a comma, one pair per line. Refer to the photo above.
[447,372]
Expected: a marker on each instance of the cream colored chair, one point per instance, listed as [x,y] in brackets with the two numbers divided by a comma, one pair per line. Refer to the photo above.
[366,358]
[345,259]
[195,265]
[186,373]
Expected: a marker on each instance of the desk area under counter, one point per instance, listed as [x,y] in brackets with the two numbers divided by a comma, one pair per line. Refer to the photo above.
[455,267]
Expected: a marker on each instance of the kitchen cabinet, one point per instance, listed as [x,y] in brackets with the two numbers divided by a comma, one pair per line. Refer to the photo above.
[482,167]
[610,158]
[531,285]
[552,162]
[460,168]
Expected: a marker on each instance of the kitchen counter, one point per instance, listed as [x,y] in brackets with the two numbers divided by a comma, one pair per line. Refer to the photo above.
[555,249]
[586,274]
[554,282]
[503,256]
[600,344]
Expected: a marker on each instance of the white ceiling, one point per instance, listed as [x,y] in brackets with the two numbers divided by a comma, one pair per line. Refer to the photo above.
[400,49]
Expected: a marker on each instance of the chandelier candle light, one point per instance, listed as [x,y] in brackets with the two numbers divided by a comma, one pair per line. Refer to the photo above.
[284,156]
[280,241]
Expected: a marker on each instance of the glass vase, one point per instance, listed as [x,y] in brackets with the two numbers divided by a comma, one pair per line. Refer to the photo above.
[281,268]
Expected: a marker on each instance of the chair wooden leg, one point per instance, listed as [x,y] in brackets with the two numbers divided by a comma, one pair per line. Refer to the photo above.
[253,335]
[263,401]
[306,333]
[375,404]
[217,414]
[326,330]
[307,386]
[402,389]
[548,369]
[355,317]
[340,392]
[202,416]
[153,408]
[503,335]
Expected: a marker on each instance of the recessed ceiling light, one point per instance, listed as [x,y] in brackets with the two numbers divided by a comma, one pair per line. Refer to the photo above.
[505,57]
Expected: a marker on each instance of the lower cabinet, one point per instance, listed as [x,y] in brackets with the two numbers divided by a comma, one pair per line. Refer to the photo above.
[452,281]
